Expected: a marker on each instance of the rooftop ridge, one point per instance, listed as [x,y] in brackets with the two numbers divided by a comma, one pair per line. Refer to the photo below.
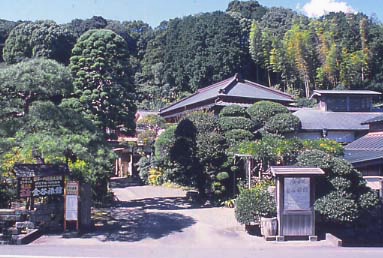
[254,84]
[217,84]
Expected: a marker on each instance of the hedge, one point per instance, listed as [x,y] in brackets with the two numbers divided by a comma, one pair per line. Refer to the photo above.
[233,111]
[282,123]
[231,123]
[262,111]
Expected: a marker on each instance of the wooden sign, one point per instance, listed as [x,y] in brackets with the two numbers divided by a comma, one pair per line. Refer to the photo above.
[47,186]
[297,193]
[40,186]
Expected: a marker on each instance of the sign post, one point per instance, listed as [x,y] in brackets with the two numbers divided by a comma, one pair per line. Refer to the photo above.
[295,201]
[71,203]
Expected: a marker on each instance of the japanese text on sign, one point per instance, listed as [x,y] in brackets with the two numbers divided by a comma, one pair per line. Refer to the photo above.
[48,186]
[297,193]
[72,188]
[25,186]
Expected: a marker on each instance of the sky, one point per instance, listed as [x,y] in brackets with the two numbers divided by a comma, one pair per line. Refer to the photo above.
[155,11]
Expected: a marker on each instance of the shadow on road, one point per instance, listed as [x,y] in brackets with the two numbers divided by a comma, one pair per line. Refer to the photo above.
[129,225]
[162,203]
[122,182]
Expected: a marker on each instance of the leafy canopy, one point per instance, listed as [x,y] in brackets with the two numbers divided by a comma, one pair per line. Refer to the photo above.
[100,68]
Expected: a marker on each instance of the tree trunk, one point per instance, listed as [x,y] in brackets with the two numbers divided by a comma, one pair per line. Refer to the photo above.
[269,77]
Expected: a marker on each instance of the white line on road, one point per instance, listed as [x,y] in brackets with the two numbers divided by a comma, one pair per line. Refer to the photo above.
[39,256]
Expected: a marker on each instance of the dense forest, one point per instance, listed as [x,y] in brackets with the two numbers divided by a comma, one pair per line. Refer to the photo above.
[277,47]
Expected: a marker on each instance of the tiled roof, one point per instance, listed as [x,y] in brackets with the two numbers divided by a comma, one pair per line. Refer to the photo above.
[366,148]
[345,92]
[374,120]
[232,87]
[313,119]
[372,142]
[292,170]
[357,156]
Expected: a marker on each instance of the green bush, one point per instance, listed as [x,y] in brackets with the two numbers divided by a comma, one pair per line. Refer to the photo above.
[143,166]
[203,121]
[337,206]
[233,111]
[238,135]
[164,143]
[282,124]
[211,148]
[231,123]
[254,203]
[304,102]
[329,146]
[262,111]
[315,158]
[222,176]
[343,194]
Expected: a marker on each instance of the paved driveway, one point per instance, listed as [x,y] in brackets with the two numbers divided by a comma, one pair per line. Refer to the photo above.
[159,216]
[150,221]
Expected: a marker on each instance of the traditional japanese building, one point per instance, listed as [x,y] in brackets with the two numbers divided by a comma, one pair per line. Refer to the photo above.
[129,149]
[234,90]
[339,115]
[366,154]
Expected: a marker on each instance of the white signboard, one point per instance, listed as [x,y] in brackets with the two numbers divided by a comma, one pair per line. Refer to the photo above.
[297,193]
[71,202]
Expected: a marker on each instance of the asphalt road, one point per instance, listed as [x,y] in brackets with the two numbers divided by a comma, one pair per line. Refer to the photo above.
[150,221]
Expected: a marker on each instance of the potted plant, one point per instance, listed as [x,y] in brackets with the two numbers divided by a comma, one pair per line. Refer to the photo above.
[266,210]
[257,205]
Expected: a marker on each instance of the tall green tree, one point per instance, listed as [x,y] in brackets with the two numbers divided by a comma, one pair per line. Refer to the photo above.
[38,39]
[102,80]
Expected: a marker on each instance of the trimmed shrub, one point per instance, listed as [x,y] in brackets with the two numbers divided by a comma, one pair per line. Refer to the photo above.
[343,193]
[231,123]
[238,135]
[337,206]
[203,121]
[368,200]
[315,158]
[245,206]
[233,110]
[262,111]
[164,143]
[282,124]
[211,149]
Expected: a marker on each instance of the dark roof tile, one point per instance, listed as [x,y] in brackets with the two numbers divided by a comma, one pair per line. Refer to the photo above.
[313,119]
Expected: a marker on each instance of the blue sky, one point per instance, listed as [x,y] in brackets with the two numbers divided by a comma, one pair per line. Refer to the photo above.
[155,11]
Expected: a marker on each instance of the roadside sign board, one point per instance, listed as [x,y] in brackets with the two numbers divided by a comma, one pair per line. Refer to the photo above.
[71,202]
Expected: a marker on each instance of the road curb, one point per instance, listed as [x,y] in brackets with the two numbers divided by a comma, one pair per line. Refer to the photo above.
[334,240]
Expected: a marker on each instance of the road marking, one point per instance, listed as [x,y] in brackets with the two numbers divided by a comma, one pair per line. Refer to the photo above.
[40,256]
